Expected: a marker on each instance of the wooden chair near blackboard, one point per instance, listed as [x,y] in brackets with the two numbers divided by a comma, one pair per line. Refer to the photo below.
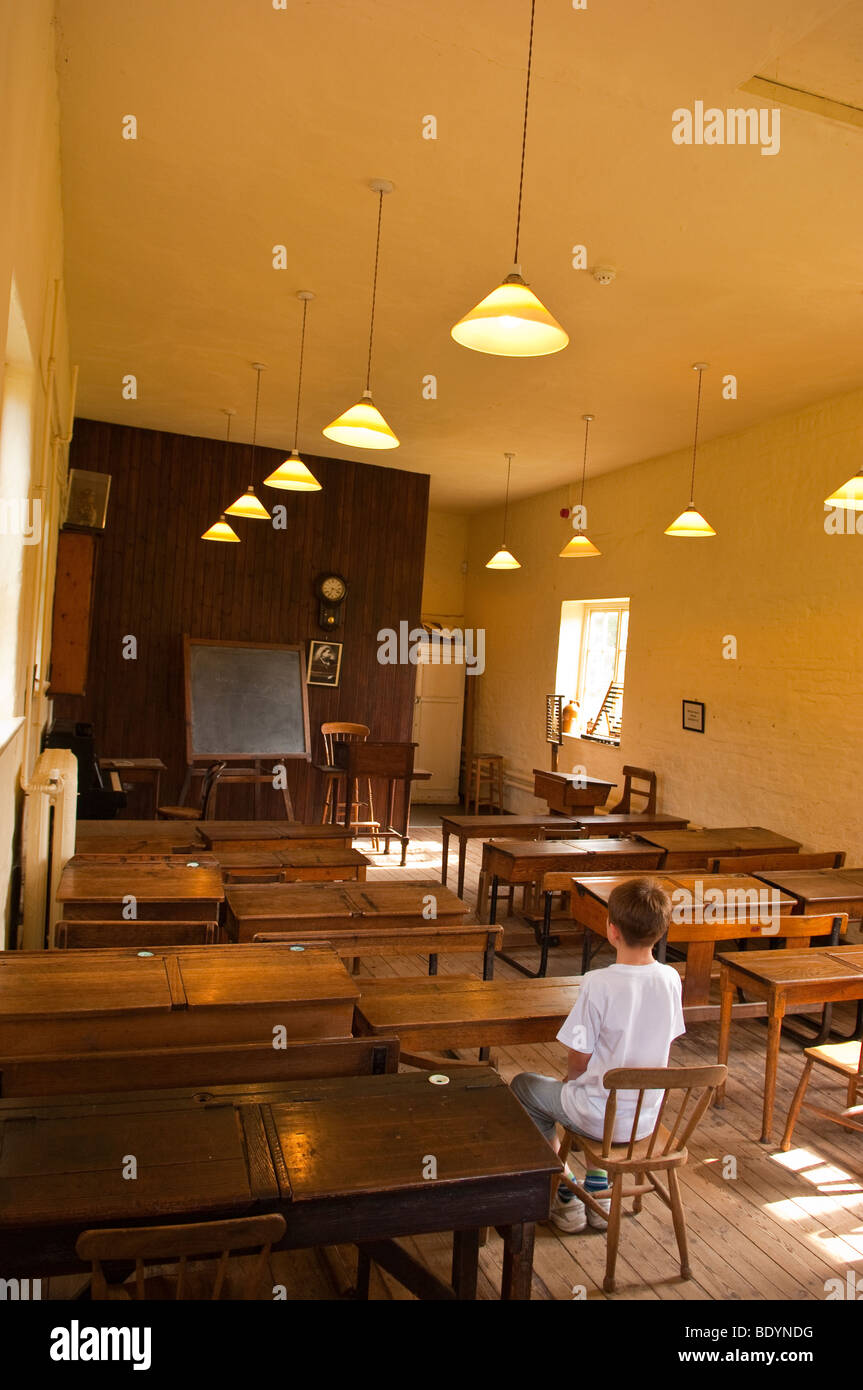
[246,703]
[207,806]
[334,733]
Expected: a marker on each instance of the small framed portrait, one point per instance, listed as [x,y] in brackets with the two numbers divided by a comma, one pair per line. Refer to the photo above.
[87,500]
[325,663]
[693,716]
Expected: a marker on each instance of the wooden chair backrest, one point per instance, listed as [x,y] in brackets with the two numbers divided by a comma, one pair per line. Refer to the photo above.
[648,793]
[155,1069]
[751,863]
[337,731]
[208,789]
[697,1085]
[86,936]
[167,1244]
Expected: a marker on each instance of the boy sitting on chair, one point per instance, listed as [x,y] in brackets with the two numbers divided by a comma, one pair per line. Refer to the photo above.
[627,1015]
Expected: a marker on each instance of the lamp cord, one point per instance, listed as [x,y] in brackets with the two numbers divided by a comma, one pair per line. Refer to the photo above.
[584,463]
[695,440]
[374,290]
[508,458]
[300,376]
[524,131]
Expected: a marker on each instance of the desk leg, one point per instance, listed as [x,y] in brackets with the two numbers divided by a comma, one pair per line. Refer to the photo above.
[465,1263]
[462,850]
[585,950]
[492,912]
[364,1269]
[488,958]
[517,1261]
[433,964]
[157,794]
[391,810]
[774,1034]
[546,933]
[725,1013]
[444,858]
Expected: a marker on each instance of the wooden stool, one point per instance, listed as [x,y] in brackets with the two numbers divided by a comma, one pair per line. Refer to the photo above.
[486,767]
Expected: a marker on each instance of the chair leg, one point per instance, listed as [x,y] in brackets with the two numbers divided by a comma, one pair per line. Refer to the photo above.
[679,1222]
[613,1235]
[328,801]
[636,1201]
[796,1105]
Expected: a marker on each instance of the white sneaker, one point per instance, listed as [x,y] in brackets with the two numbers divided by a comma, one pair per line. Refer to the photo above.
[594,1220]
[569,1216]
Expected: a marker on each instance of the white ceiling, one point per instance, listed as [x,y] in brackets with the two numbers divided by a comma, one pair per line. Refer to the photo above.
[260,126]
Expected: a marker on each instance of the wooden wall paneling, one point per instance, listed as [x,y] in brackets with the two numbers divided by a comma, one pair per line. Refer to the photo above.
[157,579]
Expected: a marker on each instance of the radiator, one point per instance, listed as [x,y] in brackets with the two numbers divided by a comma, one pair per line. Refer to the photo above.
[50,807]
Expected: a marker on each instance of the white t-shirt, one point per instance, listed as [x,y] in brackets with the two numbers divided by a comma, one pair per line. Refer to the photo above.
[625,1016]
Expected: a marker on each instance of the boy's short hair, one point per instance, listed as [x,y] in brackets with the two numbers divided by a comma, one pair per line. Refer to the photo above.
[640,908]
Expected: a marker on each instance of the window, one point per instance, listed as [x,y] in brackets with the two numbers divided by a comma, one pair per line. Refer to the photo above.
[591,663]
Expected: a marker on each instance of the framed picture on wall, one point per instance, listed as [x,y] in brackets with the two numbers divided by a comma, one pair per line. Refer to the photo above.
[693,716]
[87,500]
[325,663]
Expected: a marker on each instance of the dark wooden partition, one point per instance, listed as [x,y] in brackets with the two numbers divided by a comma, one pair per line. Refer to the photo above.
[155,580]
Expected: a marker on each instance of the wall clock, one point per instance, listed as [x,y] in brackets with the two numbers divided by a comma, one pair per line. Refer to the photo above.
[331,590]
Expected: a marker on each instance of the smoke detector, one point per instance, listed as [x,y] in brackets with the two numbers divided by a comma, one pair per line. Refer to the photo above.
[604,274]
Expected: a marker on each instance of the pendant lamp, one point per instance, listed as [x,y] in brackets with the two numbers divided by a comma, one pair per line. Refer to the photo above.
[503,559]
[363,426]
[221,530]
[580,546]
[247,504]
[293,475]
[690,522]
[511,321]
[849,495]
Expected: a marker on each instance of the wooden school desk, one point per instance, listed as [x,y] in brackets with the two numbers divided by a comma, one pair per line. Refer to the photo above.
[466,828]
[134,837]
[786,980]
[568,793]
[302,864]
[527,861]
[589,907]
[692,849]
[161,891]
[820,890]
[135,770]
[453,1012]
[268,835]
[394,764]
[184,996]
[236,1150]
[362,919]
[629,823]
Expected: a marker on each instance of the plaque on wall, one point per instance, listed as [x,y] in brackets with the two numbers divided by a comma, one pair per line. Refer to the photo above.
[87,500]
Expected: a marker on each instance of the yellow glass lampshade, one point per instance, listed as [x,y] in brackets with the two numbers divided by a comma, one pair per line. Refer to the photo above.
[293,476]
[363,427]
[690,523]
[247,505]
[511,322]
[578,547]
[849,495]
[503,560]
[221,531]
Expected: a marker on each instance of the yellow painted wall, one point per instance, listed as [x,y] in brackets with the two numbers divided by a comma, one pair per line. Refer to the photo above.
[446,552]
[31,261]
[783,744]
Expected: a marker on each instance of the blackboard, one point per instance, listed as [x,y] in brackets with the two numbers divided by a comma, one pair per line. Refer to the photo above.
[245,700]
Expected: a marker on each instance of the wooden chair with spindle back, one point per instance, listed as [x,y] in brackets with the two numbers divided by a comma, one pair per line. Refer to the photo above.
[208,799]
[156,1245]
[342,732]
[647,793]
[662,1149]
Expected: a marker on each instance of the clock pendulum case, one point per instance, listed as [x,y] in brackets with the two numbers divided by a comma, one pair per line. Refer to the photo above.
[331,590]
